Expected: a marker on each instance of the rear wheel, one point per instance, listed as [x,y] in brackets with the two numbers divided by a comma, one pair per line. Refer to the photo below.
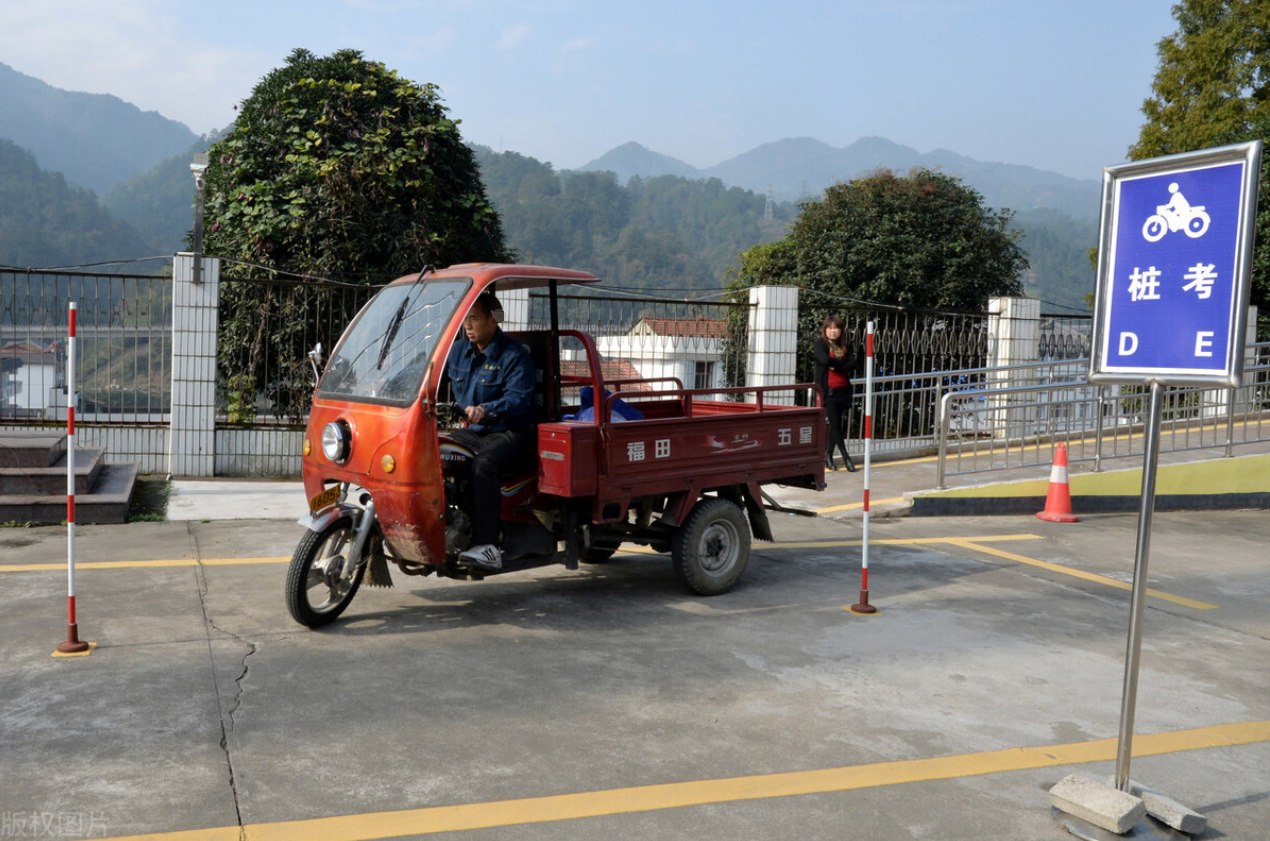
[712,547]
[320,584]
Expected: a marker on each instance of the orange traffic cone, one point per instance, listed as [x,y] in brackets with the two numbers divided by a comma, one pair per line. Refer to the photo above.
[1058,502]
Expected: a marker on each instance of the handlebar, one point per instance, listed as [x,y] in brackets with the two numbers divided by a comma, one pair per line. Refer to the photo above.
[450,413]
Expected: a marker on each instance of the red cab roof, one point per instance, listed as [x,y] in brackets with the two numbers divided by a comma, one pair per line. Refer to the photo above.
[504,276]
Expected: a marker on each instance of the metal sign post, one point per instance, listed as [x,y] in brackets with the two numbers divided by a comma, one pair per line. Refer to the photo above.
[863,605]
[1175,254]
[73,645]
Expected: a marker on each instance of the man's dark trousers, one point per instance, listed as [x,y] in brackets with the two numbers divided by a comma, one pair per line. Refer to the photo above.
[497,454]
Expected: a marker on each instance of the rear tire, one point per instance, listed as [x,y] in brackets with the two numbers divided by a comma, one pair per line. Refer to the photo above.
[712,547]
[315,597]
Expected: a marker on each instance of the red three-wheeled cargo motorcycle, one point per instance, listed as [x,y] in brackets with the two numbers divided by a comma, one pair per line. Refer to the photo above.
[385,480]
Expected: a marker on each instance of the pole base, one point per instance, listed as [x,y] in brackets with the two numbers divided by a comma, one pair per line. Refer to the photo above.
[72,645]
[863,606]
[1147,829]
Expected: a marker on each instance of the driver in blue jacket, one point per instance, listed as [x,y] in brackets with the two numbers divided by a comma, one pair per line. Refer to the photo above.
[493,381]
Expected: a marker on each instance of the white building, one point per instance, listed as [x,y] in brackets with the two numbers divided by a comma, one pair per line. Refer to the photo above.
[688,349]
[27,374]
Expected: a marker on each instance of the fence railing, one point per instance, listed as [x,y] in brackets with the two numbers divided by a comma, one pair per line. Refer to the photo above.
[124,346]
[1000,428]
[906,406]
[269,326]
[993,417]
[906,342]
[1064,336]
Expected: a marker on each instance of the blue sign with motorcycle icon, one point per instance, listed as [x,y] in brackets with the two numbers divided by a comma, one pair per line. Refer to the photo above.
[1174,267]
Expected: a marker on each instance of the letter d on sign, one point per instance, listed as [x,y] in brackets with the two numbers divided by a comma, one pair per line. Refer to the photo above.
[1128,344]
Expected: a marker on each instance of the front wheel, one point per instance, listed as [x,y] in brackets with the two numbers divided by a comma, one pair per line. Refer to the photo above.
[712,547]
[320,583]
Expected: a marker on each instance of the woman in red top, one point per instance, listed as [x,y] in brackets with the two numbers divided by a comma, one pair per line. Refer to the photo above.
[835,362]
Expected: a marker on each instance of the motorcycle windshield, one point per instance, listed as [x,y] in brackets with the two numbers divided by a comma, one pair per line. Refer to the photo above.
[384,354]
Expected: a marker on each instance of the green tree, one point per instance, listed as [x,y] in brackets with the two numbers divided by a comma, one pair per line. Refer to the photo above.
[1213,78]
[1259,293]
[655,233]
[336,168]
[1213,88]
[923,240]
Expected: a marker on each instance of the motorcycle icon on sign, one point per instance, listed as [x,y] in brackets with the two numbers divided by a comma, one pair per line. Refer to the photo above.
[1177,215]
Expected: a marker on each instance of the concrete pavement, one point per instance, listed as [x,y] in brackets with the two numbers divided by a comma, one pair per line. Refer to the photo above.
[608,701]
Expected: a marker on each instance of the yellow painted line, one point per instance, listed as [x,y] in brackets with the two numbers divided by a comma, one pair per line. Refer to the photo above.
[1077,573]
[837,544]
[178,562]
[640,799]
[60,566]
[899,541]
[897,462]
[890,462]
[1248,474]
[986,538]
[853,505]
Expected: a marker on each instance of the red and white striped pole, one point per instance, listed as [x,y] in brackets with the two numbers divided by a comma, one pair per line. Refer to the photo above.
[72,645]
[863,606]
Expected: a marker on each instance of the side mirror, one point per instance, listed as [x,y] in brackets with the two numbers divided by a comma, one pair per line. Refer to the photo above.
[316,360]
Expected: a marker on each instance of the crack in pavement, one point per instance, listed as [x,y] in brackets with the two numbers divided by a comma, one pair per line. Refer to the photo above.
[226,715]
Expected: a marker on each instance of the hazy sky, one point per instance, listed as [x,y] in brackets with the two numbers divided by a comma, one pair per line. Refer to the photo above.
[1055,84]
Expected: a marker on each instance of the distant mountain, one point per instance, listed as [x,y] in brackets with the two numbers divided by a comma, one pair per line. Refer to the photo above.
[159,203]
[631,159]
[95,140]
[678,227]
[796,169]
[46,222]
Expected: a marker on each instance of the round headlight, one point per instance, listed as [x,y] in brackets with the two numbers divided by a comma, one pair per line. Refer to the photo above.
[335,440]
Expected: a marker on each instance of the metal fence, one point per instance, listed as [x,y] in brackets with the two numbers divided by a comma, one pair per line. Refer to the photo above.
[124,346]
[267,327]
[998,428]
[905,341]
[1065,336]
[918,354]
[906,406]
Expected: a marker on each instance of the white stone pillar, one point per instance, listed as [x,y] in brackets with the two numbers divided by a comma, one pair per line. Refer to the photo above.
[773,340]
[1014,338]
[191,444]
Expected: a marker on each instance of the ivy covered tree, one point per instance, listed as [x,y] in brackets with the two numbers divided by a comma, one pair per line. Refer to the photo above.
[338,169]
[1213,78]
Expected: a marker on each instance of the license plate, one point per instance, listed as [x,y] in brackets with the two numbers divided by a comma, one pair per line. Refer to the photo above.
[325,499]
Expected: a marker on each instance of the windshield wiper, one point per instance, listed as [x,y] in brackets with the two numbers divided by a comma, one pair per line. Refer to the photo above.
[398,317]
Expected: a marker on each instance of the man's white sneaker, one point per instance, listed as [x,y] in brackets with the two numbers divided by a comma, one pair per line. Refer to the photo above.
[485,556]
